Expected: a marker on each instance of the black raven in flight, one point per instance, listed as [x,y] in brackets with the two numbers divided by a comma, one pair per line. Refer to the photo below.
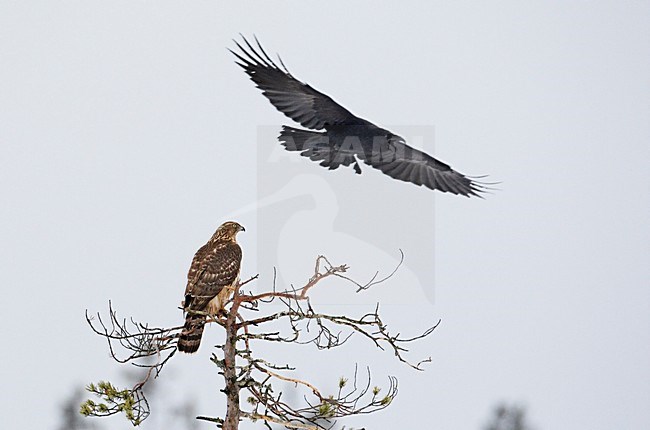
[346,137]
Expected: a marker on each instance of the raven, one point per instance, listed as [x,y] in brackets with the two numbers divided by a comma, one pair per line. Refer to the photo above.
[346,137]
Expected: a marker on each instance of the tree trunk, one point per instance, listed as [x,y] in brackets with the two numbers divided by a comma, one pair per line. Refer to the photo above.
[230,373]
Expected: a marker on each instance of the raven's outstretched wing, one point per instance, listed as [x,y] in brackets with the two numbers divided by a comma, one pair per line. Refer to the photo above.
[295,99]
[400,161]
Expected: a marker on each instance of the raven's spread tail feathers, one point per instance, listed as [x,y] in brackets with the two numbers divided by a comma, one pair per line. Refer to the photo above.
[316,146]
[294,139]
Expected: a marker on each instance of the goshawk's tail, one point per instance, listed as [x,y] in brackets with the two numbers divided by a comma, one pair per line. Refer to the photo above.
[190,338]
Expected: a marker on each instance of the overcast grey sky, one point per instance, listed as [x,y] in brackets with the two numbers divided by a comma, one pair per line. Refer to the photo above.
[127,134]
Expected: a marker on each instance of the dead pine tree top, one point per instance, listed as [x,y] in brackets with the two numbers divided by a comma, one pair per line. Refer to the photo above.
[247,319]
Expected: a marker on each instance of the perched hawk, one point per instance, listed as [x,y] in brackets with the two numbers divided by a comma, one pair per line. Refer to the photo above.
[210,282]
[346,137]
